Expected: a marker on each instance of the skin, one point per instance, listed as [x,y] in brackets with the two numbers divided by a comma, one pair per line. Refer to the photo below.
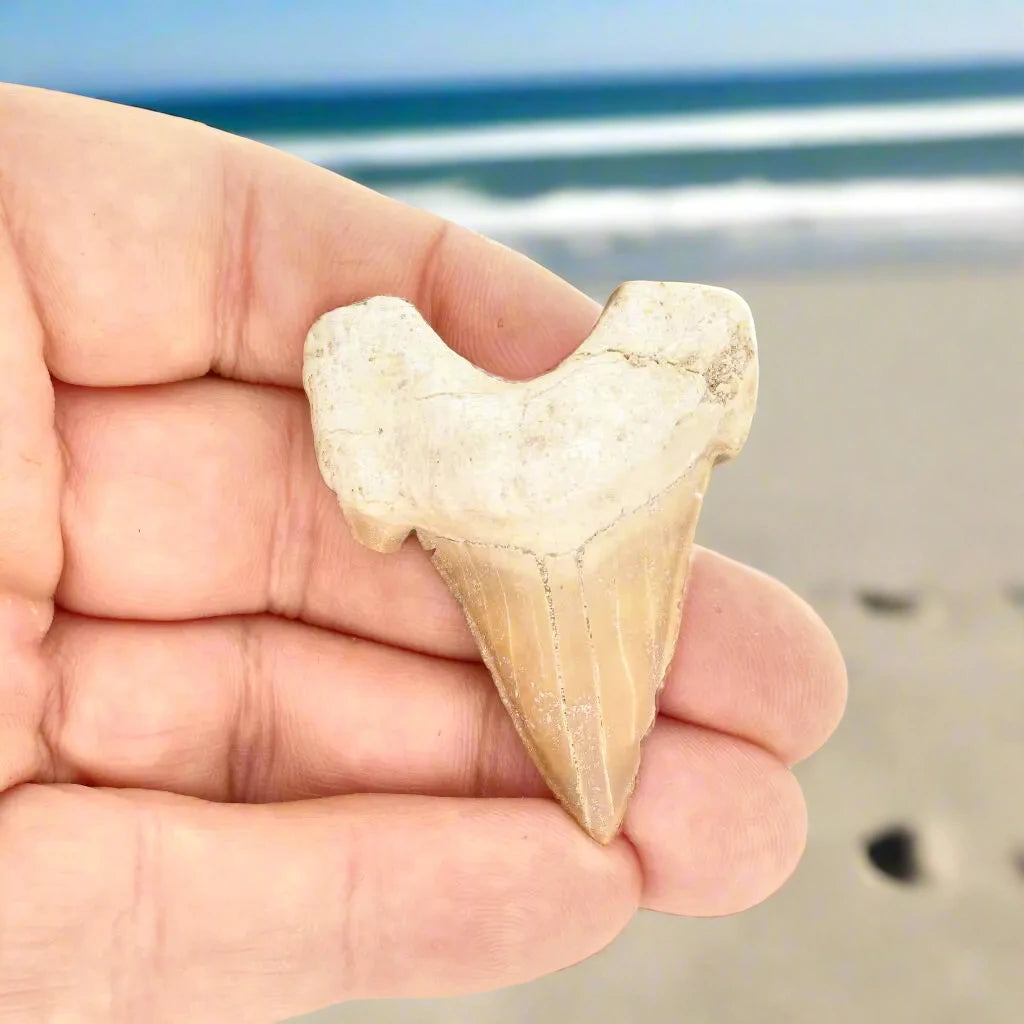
[249,767]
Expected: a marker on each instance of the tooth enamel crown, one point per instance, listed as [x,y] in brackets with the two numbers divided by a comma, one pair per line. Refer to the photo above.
[560,511]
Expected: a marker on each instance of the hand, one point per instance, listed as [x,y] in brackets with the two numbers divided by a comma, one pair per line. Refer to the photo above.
[248,766]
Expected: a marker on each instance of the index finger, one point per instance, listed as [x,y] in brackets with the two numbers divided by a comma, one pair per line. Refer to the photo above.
[158,249]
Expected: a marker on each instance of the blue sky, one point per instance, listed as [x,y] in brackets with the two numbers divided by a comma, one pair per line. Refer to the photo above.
[119,46]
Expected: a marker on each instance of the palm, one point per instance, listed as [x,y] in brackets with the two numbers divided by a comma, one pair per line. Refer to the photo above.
[218,638]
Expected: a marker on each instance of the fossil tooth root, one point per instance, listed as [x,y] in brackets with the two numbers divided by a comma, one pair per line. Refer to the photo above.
[560,511]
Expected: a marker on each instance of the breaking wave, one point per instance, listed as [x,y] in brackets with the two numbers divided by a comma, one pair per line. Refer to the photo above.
[761,129]
[981,205]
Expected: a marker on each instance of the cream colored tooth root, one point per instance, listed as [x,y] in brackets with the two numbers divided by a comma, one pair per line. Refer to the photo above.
[560,511]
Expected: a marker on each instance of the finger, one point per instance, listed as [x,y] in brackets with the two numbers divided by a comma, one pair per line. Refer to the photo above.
[263,710]
[194,250]
[165,908]
[719,823]
[754,660]
[204,499]
[257,709]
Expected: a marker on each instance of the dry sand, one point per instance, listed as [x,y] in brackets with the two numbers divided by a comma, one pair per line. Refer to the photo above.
[884,480]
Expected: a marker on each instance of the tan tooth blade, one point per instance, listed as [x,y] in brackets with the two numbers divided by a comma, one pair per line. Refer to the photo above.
[560,511]
[600,623]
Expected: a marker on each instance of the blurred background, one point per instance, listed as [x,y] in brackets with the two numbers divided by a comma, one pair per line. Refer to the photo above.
[857,173]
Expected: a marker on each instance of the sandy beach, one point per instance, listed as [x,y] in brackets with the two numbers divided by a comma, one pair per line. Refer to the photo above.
[884,481]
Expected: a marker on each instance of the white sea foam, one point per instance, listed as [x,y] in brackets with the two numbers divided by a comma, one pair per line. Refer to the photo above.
[771,129]
[978,205]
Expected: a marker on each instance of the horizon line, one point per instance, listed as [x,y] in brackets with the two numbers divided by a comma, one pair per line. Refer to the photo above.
[365,87]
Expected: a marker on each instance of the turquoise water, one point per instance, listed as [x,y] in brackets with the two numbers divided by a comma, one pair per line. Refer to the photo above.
[725,172]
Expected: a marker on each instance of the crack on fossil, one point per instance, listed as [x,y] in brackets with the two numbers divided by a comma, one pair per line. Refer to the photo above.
[545,580]
[450,394]
[595,669]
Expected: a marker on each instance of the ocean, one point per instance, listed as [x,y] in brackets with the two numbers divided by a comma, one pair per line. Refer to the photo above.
[691,177]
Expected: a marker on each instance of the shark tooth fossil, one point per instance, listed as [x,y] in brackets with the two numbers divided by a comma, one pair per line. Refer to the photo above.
[560,511]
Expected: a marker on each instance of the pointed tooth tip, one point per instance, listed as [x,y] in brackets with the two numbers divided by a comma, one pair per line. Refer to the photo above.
[602,822]
[603,837]
[601,834]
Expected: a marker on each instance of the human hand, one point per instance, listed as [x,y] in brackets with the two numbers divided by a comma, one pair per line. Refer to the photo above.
[218,803]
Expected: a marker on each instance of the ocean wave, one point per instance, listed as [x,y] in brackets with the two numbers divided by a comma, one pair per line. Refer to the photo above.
[973,205]
[762,129]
